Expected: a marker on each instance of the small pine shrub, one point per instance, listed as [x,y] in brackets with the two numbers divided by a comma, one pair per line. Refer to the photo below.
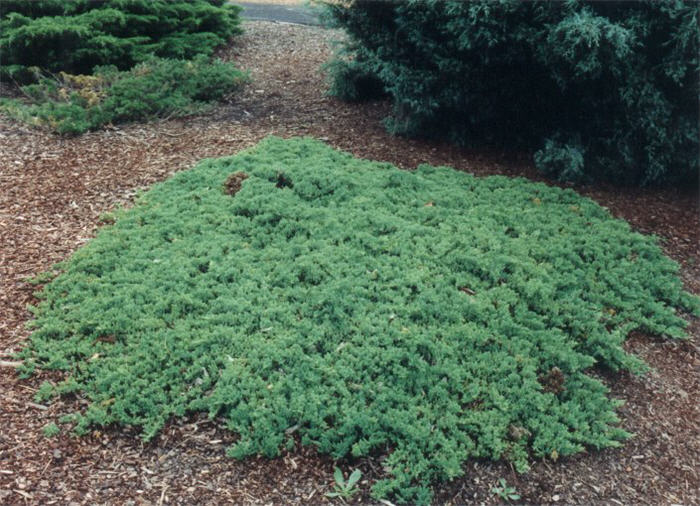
[156,88]
[430,315]
[74,36]
[604,90]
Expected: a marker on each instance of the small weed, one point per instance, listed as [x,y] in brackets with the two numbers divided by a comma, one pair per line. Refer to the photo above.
[344,489]
[505,492]
[51,430]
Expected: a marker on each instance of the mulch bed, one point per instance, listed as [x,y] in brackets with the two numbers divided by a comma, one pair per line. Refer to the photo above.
[53,191]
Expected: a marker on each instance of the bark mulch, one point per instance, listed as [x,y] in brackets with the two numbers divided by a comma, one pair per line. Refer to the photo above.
[53,191]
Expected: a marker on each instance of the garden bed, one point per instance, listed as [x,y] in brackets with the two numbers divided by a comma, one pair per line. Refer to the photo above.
[82,178]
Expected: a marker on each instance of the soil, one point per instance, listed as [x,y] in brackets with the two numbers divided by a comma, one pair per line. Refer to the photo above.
[234,182]
[53,191]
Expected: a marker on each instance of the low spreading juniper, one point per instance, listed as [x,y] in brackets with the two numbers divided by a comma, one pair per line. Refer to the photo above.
[156,88]
[430,315]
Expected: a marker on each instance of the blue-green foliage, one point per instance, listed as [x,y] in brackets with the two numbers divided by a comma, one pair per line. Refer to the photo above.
[430,315]
[76,35]
[599,89]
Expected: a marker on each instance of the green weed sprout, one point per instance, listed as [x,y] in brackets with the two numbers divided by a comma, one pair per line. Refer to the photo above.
[344,489]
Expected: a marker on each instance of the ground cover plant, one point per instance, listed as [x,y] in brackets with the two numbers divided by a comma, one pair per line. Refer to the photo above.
[156,88]
[296,291]
[111,61]
[76,35]
[594,89]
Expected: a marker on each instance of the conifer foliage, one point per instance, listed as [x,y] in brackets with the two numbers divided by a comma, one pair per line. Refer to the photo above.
[595,89]
[76,35]
[97,62]
[292,289]
[158,87]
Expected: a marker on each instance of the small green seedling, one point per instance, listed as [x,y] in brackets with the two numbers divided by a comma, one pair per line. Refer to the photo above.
[505,492]
[51,430]
[342,488]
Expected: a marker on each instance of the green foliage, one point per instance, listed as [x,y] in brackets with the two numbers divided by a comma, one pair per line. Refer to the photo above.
[45,392]
[430,315]
[76,35]
[563,161]
[350,81]
[599,89]
[51,430]
[156,88]
[119,60]
[505,492]
[40,278]
[344,489]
